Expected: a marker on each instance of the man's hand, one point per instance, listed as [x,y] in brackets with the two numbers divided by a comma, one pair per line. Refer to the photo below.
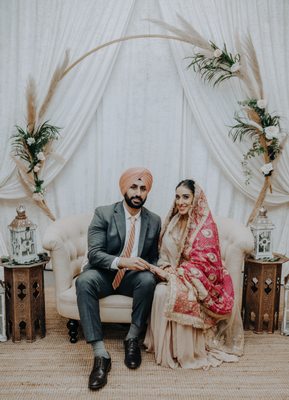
[133,263]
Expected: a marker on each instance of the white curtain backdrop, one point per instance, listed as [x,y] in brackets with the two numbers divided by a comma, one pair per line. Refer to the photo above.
[137,104]
[36,43]
[217,22]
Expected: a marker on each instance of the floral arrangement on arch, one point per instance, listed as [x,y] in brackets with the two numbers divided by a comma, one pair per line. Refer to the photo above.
[253,120]
[33,144]
[265,132]
[215,64]
[29,145]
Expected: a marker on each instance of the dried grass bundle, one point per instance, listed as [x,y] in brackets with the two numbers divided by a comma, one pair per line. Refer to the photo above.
[254,64]
[35,143]
[250,72]
[188,33]
[22,169]
[40,203]
[25,185]
[259,201]
[56,78]
[43,205]
[254,119]
[197,39]
[27,182]
[31,104]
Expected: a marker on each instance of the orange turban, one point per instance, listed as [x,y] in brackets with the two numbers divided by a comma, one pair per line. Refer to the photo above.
[132,174]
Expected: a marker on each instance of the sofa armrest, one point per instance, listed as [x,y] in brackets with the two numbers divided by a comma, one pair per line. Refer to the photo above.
[66,239]
[236,241]
[60,259]
[236,233]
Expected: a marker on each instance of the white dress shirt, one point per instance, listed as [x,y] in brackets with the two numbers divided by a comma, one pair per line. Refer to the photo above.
[114,264]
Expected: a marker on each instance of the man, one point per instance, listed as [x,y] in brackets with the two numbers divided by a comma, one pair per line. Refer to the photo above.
[122,242]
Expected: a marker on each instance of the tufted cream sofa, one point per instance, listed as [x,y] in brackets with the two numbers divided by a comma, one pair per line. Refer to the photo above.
[66,239]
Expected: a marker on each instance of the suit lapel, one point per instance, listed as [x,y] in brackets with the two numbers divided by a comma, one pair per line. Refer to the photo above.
[119,218]
[143,230]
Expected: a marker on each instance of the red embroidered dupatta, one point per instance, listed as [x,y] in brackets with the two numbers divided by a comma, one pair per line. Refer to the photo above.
[201,290]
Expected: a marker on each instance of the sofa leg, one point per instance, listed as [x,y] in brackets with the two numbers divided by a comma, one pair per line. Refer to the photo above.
[72,326]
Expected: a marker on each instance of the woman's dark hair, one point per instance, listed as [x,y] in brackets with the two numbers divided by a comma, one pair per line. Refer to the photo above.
[188,183]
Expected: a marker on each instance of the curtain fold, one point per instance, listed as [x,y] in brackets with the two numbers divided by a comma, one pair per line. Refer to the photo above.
[37,39]
[137,105]
[213,108]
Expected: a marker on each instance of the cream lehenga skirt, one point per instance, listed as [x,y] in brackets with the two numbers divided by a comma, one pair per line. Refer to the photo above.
[175,345]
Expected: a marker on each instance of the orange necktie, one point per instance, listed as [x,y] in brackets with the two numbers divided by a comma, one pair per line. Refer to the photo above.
[125,253]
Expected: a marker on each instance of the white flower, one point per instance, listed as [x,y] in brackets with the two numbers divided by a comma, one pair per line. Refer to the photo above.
[218,53]
[38,196]
[272,132]
[181,271]
[235,67]
[262,103]
[40,156]
[36,168]
[267,168]
[30,141]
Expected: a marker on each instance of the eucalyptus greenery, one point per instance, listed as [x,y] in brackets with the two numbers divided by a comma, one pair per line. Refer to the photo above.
[218,67]
[30,145]
[262,128]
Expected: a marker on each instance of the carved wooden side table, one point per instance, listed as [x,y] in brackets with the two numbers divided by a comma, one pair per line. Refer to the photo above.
[25,307]
[261,294]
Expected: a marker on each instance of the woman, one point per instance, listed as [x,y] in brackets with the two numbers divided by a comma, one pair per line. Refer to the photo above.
[194,323]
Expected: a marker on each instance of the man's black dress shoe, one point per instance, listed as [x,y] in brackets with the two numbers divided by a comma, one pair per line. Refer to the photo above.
[98,375]
[132,353]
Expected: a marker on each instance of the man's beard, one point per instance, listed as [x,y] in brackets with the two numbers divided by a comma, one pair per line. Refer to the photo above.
[130,203]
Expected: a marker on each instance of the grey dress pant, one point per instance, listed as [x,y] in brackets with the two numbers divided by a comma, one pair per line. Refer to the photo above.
[94,284]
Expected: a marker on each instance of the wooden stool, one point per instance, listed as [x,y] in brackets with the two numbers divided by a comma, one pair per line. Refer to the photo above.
[261,294]
[25,307]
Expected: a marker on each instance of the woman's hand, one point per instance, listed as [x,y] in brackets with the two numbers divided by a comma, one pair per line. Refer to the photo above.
[169,270]
[160,273]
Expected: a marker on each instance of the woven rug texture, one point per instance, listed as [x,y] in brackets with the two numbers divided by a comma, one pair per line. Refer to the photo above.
[52,368]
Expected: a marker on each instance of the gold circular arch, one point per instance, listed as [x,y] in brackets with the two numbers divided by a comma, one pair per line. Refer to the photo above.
[123,39]
[62,71]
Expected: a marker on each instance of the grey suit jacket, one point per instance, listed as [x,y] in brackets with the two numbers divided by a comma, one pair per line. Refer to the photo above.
[106,236]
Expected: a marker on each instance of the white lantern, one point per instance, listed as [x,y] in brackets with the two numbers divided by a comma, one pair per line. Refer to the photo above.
[23,238]
[3,336]
[285,321]
[262,231]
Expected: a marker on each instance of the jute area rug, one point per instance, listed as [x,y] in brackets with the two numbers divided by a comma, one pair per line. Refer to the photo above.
[53,368]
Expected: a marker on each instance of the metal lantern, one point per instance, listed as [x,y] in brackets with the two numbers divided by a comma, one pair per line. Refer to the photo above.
[262,229]
[23,238]
[285,322]
[3,336]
